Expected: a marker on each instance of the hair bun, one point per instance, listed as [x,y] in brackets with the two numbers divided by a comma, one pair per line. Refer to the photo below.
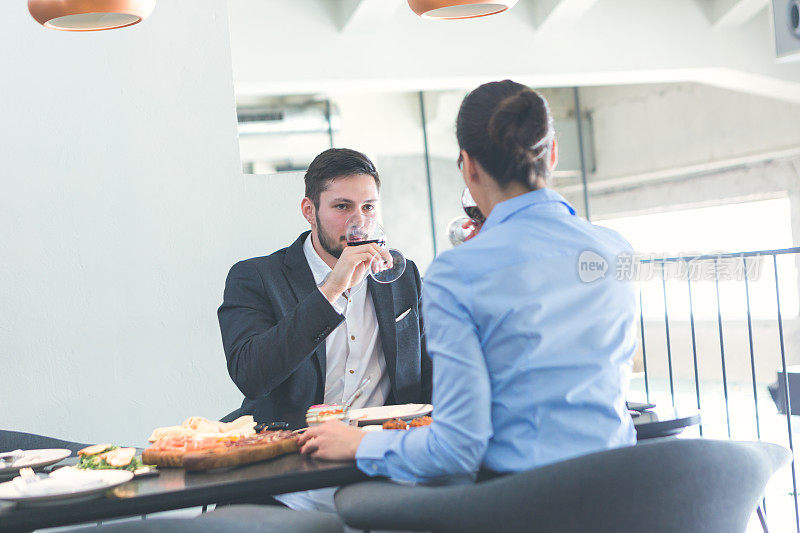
[521,126]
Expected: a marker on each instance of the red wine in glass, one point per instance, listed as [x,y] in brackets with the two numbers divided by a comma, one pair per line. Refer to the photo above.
[471,207]
[363,229]
[379,242]
[463,228]
[474,213]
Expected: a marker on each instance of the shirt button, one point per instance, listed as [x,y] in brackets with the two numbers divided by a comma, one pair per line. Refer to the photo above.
[352,371]
[352,337]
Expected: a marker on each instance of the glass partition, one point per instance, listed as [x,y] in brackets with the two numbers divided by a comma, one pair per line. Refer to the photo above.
[285,133]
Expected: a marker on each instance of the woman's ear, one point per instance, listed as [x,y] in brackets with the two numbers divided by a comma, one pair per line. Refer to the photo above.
[554,155]
[308,211]
[469,170]
[476,180]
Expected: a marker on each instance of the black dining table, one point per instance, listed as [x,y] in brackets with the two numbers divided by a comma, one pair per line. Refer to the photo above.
[174,488]
[664,422]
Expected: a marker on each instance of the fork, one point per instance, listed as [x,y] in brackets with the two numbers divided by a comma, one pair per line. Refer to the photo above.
[356,393]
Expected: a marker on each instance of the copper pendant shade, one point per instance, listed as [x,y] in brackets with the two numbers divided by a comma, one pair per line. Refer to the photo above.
[89,15]
[459,9]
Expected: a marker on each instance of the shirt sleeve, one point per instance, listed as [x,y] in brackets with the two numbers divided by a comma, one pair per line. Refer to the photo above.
[335,304]
[457,440]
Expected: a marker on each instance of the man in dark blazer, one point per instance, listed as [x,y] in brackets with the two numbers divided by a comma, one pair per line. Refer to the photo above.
[287,318]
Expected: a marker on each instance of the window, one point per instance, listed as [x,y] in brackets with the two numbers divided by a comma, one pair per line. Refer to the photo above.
[739,227]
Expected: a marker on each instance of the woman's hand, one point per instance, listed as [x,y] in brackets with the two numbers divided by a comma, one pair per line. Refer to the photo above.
[332,440]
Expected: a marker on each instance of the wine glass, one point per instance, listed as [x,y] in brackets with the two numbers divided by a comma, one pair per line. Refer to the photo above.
[363,229]
[471,207]
[463,228]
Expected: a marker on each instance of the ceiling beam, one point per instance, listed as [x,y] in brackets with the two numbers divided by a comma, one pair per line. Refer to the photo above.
[364,16]
[616,42]
[731,13]
[550,14]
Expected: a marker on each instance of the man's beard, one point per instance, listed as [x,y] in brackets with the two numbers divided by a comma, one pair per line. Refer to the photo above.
[328,243]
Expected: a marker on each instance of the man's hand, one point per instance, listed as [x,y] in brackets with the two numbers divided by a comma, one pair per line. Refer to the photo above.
[351,268]
[332,440]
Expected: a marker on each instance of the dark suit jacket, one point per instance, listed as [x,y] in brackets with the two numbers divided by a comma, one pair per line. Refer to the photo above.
[274,322]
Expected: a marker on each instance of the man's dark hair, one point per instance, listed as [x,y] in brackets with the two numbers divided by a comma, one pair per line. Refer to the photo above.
[336,163]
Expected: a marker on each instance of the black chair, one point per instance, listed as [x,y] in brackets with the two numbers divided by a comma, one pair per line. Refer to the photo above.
[234,519]
[664,485]
[16,440]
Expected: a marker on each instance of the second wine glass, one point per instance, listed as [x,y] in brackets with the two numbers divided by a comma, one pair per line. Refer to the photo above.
[471,208]
[463,228]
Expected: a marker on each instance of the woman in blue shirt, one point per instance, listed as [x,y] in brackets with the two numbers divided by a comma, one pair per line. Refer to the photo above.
[530,333]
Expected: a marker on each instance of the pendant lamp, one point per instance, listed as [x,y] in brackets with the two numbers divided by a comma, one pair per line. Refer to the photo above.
[459,9]
[89,15]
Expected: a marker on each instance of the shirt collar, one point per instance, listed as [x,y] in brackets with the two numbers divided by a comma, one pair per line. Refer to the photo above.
[319,268]
[538,198]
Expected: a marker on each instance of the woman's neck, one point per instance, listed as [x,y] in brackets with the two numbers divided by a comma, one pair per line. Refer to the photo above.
[498,195]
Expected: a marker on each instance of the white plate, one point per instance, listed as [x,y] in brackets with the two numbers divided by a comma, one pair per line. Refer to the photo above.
[379,415]
[106,478]
[34,459]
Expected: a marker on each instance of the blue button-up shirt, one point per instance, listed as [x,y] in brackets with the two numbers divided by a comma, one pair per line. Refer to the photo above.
[531,336]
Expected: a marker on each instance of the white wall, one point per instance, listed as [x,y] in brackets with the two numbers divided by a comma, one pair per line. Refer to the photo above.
[122,206]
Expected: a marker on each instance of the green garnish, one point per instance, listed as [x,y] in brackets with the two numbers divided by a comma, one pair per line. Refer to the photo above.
[95,462]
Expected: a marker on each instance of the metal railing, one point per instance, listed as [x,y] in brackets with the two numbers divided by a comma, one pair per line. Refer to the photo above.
[661,264]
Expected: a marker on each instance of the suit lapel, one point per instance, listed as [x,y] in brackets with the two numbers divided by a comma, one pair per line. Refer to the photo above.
[383,301]
[301,280]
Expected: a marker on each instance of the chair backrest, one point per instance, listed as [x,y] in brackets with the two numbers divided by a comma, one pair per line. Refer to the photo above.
[664,485]
[13,440]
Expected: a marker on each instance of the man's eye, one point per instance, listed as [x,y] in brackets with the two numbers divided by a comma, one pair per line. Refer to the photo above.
[369,207]
[341,206]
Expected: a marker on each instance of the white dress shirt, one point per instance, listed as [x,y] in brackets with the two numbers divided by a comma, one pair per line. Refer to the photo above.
[353,350]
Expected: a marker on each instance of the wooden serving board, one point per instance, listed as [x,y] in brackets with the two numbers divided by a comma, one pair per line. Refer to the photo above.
[238,455]
[224,455]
